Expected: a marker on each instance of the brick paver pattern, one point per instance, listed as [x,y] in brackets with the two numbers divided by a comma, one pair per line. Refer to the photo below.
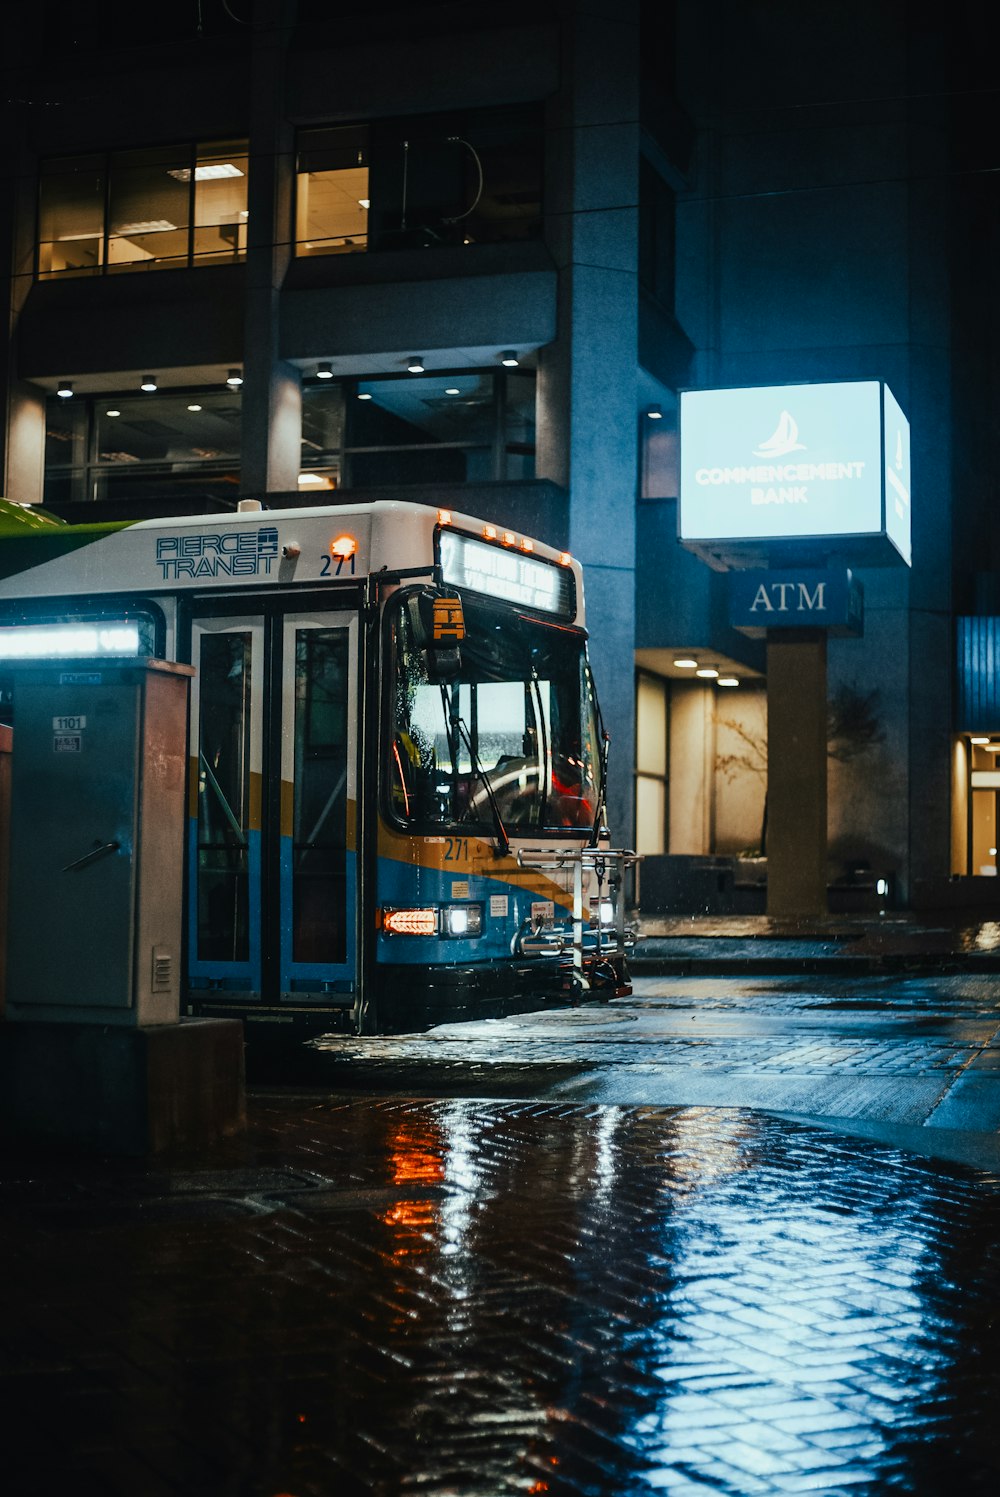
[477,1298]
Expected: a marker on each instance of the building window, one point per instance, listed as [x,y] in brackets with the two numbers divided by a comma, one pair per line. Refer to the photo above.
[331,200]
[650,764]
[472,426]
[153,209]
[174,450]
[433,180]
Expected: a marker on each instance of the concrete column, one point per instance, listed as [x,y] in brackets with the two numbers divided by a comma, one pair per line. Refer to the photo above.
[22,405]
[796,773]
[272,392]
[588,378]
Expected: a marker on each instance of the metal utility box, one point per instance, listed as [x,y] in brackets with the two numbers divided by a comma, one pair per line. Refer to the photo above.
[96,841]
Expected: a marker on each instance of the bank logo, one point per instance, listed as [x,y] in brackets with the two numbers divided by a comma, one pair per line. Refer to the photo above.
[785,438]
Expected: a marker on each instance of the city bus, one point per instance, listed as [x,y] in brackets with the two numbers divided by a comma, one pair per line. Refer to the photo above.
[396,764]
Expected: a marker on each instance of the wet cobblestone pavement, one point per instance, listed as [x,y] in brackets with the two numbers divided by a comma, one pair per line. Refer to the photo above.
[468,1298]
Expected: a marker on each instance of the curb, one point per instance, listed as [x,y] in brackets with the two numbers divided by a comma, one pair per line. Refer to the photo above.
[844,966]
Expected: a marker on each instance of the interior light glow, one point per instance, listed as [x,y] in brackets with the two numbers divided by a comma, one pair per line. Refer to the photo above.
[981,741]
[509,359]
[234,378]
[654,413]
[148,382]
[118,413]
[364,202]
[708,671]
[685,663]
[43,641]
[190,408]
[344,545]
[453,390]
[145,226]
[324,371]
[310,478]
[364,395]
[213,171]
[415,364]
[727,681]
[410,922]
[65,389]
[882,884]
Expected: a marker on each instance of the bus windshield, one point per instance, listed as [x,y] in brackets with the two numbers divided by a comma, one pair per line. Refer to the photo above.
[518,723]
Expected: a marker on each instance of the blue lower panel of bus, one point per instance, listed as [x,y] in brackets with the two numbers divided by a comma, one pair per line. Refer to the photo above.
[506,908]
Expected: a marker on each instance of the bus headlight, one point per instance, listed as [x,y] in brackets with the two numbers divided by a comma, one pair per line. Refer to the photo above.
[461,920]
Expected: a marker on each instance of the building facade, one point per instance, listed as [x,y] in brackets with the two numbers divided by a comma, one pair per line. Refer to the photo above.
[291,250]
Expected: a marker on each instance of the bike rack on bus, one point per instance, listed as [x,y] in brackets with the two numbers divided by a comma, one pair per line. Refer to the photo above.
[593,965]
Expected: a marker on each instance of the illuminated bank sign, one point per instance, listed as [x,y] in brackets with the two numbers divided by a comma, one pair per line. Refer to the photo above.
[793,462]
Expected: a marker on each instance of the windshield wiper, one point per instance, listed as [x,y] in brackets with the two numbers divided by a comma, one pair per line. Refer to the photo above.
[503,841]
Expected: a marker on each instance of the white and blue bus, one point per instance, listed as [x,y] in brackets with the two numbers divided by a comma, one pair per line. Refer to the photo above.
[396,764]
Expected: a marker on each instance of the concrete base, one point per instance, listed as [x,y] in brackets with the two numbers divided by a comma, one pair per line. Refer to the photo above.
[123,1091]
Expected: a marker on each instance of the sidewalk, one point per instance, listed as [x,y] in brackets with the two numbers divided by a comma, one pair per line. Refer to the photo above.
[375,1298]
[741,945]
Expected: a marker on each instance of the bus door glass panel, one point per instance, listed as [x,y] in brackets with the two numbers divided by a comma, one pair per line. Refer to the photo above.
[318,801]
[226,769]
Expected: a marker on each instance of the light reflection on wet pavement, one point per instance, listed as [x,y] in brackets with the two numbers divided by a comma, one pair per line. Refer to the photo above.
[473,1298]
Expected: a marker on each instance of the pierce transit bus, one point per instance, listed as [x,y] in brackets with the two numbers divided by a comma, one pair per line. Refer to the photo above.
[396,765]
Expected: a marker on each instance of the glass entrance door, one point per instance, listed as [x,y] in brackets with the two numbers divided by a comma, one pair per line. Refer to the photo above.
[271,861]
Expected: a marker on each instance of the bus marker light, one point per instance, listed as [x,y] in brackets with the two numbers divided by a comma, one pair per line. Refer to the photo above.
[344,545]
[490,532]
[527,545]
[565,558]
[509,538]
[410,922]
[444,516]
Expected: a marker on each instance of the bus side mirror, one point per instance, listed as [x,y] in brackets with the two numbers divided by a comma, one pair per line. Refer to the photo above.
[438,624]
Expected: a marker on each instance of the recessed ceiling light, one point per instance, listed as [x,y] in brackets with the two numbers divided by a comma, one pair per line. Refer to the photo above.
[686,663]
[709,672]
[364,395]
[509,359]
[234,378]
[190,408]
[415,363]
[324,371]
[727,681]
[148,382]
[453,390]
[112,413]
[65,389]
[210,173]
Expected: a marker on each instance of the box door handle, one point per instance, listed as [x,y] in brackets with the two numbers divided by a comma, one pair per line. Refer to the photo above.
[92,857]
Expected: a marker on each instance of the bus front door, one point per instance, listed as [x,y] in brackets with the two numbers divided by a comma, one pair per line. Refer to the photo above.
[272,883]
